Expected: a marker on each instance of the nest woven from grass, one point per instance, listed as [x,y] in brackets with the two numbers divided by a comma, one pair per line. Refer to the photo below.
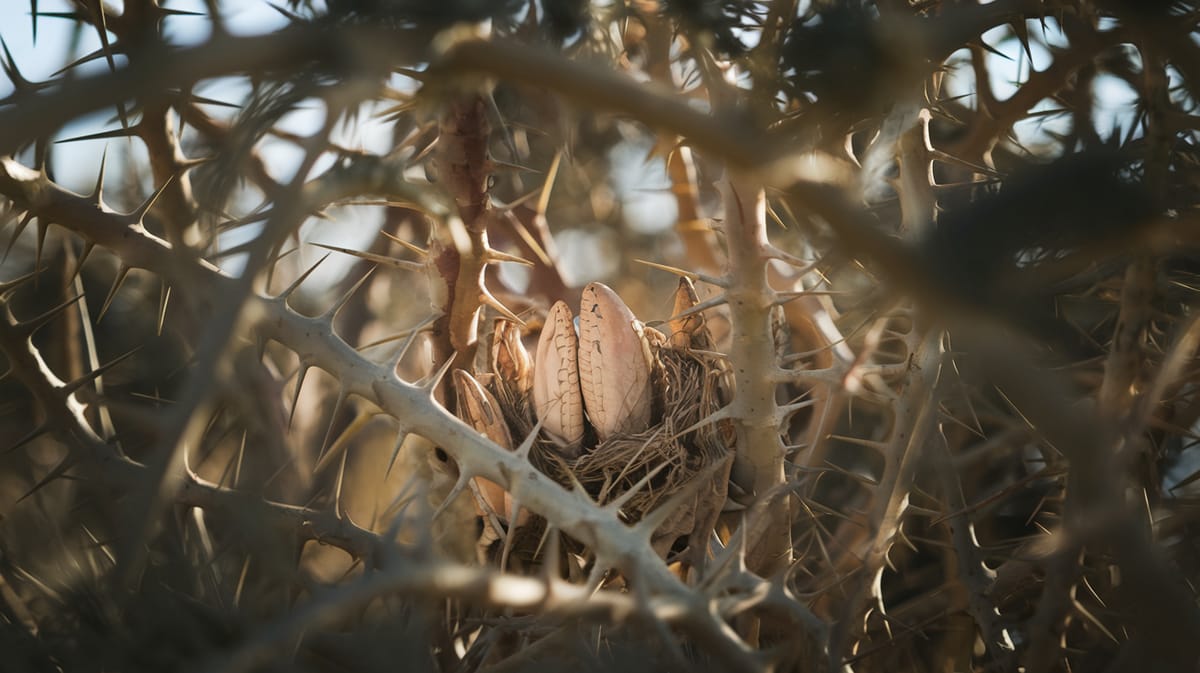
[688,388]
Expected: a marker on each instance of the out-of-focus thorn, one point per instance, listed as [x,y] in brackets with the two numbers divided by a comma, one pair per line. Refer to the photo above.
[138,216]
[164,300]
[334,419]
[494,164]
[97,195]
[492,256]
[372,257]
[691,275]
[283,296]
[9,64]
[26,439]
[417,250]
[290,16]
[69,388]
[17,231]
[9,286]
[300,374]
[119,280]
[89,57]
[58,471]
[28,327]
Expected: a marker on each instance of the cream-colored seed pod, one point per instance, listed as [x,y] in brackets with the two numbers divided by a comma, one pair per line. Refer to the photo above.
[510,360]
[690,331]
[479,409]
[614,368]
[556,394]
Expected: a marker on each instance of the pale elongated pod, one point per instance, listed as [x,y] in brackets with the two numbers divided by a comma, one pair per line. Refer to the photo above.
[510,360]
[690,331]
[477,406]
[614,364]
[556,394]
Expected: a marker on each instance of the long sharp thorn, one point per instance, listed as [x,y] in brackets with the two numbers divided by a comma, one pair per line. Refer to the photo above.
[547,186]
[341,445]
[304,276]
[14,73]
[408,246]
[372,257]
[20,228]
[410,339]
[43,228]
[97,194]
[286,14]
[498,116]
[304,367]
[333,419]
[436,378]
[101,17]
[493,256]
[112,291]
[58,471]
[520,200]
[528,238]
[802,265]
[194,99]
[96,373]
[400,437]
[348,295]
[34,324]
[495,164]
[33,17]
[164,298]
[88,247]
[139,215]
[8,286]
[337,488]
[27,438]
[531,439]
[690,275]
[86,58]
[124,132]
[459,486]
[486,297]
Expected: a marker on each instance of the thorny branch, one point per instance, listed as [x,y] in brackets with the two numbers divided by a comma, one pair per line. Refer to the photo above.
[957,380]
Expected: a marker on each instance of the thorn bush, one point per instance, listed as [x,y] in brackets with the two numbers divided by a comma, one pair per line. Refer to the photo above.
[938,312]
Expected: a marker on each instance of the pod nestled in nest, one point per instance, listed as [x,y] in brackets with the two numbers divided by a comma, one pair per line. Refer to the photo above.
[646,396]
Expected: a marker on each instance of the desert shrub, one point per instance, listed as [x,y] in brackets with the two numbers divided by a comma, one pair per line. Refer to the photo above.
[910,384]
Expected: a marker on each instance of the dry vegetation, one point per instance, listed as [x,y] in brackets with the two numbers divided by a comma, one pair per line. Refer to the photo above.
[931,406]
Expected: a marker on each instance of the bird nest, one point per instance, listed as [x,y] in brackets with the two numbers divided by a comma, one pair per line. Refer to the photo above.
[684,443]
